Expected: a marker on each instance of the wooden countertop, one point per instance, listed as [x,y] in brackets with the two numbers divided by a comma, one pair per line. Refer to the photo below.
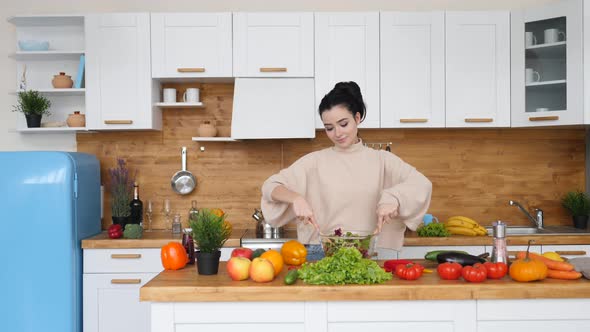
[155,239]
[187,285]
[412,239]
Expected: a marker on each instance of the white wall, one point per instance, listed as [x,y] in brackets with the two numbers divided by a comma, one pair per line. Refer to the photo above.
[11,140]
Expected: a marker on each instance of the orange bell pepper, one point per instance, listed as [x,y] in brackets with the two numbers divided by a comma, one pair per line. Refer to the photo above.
[294,253]
[174,256]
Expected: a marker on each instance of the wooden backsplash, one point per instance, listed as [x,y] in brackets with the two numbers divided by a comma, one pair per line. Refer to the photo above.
[475,172]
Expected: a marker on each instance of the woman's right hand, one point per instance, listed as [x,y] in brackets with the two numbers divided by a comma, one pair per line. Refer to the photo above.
[304,212]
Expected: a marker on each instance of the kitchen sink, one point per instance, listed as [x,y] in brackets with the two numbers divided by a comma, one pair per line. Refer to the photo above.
[548,230]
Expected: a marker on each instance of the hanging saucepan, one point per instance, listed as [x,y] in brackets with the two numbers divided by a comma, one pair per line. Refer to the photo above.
[183,182]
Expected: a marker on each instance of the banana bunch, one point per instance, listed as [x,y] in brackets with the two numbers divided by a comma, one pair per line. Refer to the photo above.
[461,225]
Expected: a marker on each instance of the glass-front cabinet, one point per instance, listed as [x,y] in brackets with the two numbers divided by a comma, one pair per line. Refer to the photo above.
[547,76]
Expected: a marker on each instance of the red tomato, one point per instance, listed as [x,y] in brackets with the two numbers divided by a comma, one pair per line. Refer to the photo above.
[409,271]
[496,270]
[449,270]
[475,273]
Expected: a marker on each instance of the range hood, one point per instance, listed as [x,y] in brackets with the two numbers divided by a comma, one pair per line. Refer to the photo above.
[267,108]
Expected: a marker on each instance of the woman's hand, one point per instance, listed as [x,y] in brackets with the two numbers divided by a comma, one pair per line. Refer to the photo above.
[385,214]
[304,212]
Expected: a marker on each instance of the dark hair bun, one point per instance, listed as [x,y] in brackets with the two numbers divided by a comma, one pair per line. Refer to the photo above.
[347,94]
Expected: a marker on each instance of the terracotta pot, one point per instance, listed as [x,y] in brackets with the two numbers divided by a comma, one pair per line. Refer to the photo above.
[62,81]
[76,120]
[206,129]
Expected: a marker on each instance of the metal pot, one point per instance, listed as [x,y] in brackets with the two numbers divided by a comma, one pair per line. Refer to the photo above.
[264,230]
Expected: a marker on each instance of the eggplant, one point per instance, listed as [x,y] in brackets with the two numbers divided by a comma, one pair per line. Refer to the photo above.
[457,257]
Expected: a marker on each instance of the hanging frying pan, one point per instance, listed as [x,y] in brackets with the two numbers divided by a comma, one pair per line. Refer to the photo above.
[183,182]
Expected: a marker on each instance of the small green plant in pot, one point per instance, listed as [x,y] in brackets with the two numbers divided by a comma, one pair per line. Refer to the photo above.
[210,231]
[121,189]
[33,105]
[578,204]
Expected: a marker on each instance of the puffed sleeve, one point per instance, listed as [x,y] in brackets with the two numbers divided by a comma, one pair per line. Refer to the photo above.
[408,188]
[293,178]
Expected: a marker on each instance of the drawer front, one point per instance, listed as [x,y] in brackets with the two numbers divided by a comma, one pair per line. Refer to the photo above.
[122,260]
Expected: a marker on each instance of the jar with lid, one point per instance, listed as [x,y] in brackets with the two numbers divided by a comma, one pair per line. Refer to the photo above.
[188,244]
[176,224]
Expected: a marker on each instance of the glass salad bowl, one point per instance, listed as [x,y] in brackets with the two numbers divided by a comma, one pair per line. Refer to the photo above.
[364,241]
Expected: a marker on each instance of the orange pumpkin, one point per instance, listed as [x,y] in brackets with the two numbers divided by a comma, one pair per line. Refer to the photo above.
[528,269]
[275,258]
[174,256]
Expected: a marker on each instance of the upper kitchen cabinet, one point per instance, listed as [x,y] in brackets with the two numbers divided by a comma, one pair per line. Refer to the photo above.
[347,49]
[45,46]
[547,71]
[477,69]
[191,45]
[412,69]
[273,44]
[119,84]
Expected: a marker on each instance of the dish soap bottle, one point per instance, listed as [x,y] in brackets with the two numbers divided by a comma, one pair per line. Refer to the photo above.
[499,251]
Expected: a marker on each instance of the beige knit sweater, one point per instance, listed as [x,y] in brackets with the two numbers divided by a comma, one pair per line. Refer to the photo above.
[344,188]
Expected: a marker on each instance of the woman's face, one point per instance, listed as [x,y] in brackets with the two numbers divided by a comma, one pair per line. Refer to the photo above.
[341,126]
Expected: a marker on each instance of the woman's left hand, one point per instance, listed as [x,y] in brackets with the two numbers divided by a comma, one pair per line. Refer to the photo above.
[385,214]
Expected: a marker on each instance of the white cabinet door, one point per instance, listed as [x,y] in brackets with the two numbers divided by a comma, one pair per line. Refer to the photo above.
[553,93]
[336,61]
[118,80]
[273,44]
[191,45]
[477,69]
[412,69]
[111,303]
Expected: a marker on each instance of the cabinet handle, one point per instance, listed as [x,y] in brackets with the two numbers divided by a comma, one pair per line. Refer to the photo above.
[413,120]
[125,281]
[544,118]
[190,70]
[126,256]
[273,70]
[118,121]
[571,253]
[474,120]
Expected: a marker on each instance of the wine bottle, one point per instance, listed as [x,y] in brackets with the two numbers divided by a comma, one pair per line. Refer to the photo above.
[136,206]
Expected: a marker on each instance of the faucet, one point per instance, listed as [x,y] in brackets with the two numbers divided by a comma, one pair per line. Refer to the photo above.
[538,222]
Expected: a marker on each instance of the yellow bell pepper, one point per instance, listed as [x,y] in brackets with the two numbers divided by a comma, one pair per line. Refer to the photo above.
[293,252]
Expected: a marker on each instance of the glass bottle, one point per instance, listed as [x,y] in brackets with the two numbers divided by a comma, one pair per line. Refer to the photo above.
[193,212]
[136,206]
[499,250]
[189,245]
[176,224]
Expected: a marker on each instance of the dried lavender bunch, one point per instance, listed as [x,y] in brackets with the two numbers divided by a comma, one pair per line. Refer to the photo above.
[121,189]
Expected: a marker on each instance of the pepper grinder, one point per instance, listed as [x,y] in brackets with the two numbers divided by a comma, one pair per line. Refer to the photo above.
[499,251]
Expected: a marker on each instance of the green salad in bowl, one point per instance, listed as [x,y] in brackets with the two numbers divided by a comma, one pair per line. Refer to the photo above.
[363,241]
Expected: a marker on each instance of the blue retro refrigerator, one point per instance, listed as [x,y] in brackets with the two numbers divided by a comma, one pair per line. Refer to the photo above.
[49,202]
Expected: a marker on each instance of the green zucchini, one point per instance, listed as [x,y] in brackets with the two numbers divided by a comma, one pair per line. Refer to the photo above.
[431,255]
[291,277]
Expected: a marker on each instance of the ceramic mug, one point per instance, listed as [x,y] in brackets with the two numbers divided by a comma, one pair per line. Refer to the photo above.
[529,39]
[191,95]
[169,95]
[428,218]
[552,35]
[531,76]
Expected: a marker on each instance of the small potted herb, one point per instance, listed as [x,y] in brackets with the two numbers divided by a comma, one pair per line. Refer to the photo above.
[121,189]
[210,231]
[33,105]
[578,204]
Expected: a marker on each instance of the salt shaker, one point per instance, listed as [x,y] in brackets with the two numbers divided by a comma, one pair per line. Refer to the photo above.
[499,251]
[176,224]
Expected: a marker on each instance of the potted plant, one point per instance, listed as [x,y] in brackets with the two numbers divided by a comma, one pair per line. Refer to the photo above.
[578,204]
[121,189]
[210,231]
[33,105]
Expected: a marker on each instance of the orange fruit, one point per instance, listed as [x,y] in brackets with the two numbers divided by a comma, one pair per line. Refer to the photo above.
[275,258]
[218,212]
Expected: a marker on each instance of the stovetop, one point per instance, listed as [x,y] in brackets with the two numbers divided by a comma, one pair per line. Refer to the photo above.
[251,240]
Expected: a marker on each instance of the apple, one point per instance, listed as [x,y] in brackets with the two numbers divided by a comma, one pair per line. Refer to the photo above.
[262,270]
[242,252]
[238,268]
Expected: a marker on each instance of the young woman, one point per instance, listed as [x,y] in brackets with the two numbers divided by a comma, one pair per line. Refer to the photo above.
[347,186]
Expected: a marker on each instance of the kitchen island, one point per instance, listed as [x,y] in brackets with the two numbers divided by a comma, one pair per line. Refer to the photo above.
[185,301]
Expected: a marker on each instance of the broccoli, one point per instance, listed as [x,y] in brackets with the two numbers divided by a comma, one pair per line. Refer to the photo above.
[132,231]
